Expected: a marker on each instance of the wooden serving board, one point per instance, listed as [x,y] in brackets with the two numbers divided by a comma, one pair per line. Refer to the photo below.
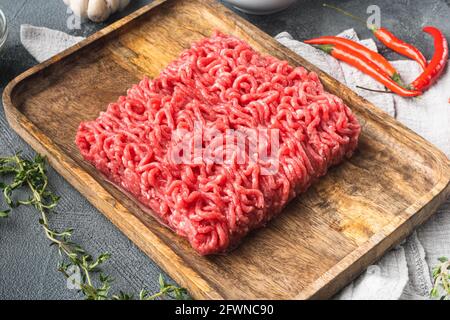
[322,241]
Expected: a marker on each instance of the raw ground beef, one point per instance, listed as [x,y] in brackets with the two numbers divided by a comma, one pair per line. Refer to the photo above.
[222,84]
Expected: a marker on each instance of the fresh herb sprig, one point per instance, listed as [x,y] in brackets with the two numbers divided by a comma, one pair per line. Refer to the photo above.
[441,277]
[30,176]
[166,290]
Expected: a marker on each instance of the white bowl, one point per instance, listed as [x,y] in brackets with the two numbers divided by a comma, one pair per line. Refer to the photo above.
[260,6]
[3,29]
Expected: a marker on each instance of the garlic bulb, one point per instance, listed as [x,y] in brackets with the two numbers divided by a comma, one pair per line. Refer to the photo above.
[96,10]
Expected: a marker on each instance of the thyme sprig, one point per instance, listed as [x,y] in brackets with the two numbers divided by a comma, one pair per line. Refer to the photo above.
[31,177]
[441,277]
[166,290]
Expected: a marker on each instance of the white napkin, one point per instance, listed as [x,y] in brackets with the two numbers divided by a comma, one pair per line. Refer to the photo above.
[404,272]
[43,43]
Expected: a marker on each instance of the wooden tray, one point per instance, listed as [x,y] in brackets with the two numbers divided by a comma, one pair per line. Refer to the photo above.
[321,242]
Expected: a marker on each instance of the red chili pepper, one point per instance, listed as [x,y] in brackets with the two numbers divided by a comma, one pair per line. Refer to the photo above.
[389,39]
[368,67]
[368,54]
[437,65]
[399,46]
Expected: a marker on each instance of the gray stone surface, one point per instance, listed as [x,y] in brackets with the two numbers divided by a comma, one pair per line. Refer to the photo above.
[27,264]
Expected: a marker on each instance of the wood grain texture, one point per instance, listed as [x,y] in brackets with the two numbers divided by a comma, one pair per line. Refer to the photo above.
[323,239]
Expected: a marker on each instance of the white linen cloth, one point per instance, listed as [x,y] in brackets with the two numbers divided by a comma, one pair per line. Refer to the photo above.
[404,272]
[43,43]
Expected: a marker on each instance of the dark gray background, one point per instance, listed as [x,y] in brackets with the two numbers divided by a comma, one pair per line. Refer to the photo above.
[27,264]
